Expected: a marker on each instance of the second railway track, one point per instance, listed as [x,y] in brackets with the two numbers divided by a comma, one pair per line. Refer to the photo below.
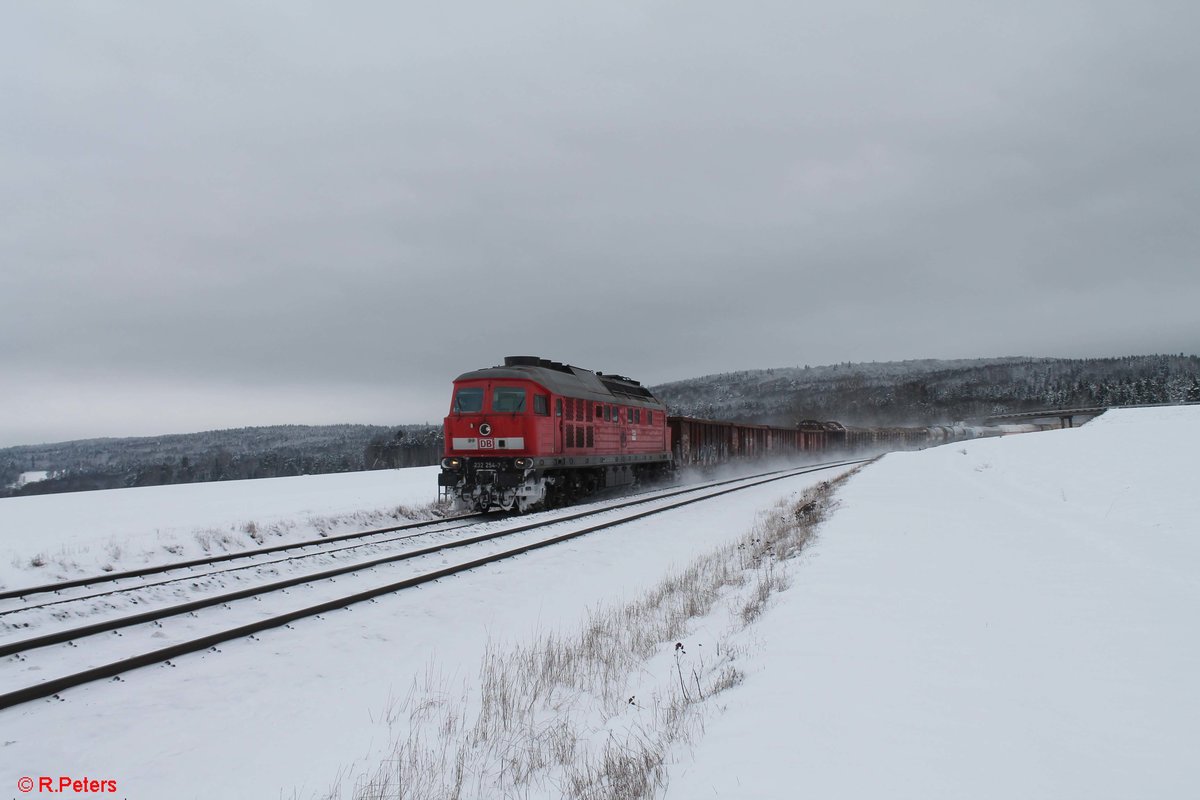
[58,587]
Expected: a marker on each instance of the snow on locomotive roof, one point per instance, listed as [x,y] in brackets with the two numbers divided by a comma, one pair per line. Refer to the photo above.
[567,380]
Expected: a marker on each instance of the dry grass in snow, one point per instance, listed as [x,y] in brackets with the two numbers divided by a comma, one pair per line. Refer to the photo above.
[595,713]
[119,554]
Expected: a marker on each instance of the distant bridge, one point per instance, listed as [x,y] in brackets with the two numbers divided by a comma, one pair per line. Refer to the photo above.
[1067,415]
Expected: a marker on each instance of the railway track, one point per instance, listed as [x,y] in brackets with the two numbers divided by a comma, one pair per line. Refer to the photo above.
[330,546]
[322,551]
[527,537]
[260,557]
[112,577]
[188,572]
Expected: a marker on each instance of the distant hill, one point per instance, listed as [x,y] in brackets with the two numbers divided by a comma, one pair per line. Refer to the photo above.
[265,452]
[888,393]
[932,392]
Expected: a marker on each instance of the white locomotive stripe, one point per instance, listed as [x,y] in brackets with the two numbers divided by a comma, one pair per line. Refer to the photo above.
[489,443]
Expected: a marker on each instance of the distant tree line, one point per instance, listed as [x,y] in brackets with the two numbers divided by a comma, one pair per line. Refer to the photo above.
[934,392]
[886,393]
[267,452]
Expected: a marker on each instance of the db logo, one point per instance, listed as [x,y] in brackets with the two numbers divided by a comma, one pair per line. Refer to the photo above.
[487,444]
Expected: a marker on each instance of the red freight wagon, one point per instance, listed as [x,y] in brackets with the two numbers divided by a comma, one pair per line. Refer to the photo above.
[705,442]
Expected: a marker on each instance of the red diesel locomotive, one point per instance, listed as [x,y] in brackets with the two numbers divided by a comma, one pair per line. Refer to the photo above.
[538,434]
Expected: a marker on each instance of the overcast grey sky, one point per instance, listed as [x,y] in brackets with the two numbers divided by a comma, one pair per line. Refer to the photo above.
[245,213]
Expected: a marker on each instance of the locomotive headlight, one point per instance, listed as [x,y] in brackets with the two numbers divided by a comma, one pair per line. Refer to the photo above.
[522,463]
[451,463]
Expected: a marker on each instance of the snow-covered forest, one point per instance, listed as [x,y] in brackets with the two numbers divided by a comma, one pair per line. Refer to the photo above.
[933,392]
[265,452]
[884,393]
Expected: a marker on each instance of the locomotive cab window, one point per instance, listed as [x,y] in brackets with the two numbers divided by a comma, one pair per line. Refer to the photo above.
[508,400]
[541,405]
[468,401]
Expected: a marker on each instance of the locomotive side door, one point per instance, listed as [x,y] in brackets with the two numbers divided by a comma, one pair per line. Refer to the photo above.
[558,425]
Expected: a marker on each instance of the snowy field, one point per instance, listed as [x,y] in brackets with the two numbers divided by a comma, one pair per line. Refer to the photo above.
[45,538]
[999,618]
[307,708]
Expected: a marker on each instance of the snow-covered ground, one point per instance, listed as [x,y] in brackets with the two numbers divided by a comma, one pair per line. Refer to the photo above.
[44,538]
[1005,617]
[296,710]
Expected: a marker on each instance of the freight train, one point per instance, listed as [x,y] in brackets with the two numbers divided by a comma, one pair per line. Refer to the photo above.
[534,434]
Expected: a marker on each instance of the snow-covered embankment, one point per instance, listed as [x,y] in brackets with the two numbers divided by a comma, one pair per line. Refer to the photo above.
[1002,618]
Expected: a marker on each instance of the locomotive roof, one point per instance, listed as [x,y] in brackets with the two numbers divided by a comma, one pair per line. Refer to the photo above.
[567,380]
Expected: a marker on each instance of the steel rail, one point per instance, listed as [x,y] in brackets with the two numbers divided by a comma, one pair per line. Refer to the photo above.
[142,571]
[106,626]
[193,576]
[110,577]
[113,577]
[53,686]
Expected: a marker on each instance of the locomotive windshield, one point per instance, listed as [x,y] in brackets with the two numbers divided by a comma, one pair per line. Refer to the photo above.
[468,401]
[506,399]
